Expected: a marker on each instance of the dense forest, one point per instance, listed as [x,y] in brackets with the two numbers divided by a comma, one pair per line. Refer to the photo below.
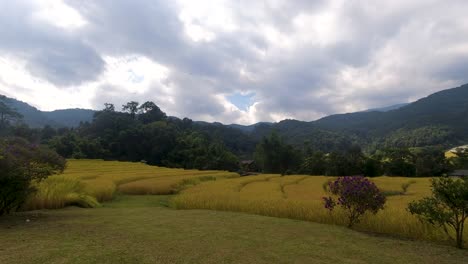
[409,141]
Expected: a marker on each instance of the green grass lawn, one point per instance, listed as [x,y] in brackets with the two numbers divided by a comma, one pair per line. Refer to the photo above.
[140,229]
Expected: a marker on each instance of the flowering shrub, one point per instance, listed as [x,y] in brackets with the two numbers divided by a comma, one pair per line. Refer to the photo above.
[356,195]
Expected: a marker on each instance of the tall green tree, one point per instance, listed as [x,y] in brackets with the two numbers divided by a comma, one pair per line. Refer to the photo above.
[131,108]
[150,112]
[399,162]
[274,156]
[430,161]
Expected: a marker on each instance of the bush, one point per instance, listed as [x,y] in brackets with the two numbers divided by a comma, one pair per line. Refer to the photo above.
[356,195]
[447,207]
[21,163]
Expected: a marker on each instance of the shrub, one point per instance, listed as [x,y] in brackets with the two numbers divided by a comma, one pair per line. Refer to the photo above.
[20,164]
[447,207]
[356,195]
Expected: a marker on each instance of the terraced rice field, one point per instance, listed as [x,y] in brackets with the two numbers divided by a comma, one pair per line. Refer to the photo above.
[88,182]
[300,197]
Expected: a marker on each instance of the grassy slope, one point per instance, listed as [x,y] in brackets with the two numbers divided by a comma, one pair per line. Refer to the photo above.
[137,229]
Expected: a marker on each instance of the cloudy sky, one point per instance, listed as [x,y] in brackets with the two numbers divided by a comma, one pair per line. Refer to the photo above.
[232,61]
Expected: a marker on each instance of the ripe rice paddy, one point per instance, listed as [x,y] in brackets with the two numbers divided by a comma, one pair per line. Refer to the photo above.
[300,197]
[88,182]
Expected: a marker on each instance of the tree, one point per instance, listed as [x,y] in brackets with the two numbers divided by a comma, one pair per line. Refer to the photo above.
[446,208]
[131,108]
[275,156]
[460,161]
[109,107]
[399,162]
[372,167]
[7,113]
[21,163]
[356,195]
[314,164]
[430,161]
[150,112]
[348,162]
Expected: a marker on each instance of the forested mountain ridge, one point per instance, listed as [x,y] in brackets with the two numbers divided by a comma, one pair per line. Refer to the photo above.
[439,119]
[36,118]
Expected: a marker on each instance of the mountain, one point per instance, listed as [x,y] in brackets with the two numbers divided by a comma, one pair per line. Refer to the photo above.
[58,118]
[70,117]
[387,108]
[439,119]
[250,128]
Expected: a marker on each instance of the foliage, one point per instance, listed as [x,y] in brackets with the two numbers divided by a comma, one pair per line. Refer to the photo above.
[274,156]
[430,161]
[348,162]
[21,163]
[356,195]
[399,161]
[144,132]
[314,164]
[372,167]
[460,161]
[447,207]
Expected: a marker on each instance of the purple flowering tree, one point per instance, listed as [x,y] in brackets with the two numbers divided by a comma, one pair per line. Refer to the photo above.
[356,195]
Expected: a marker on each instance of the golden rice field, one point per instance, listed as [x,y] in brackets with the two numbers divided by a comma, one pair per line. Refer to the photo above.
[300,197]
[88,182]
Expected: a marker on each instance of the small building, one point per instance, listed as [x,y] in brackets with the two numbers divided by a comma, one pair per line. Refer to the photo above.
[459,173]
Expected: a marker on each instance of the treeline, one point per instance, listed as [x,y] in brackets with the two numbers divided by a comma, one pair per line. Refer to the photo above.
[142,132]
[273,155]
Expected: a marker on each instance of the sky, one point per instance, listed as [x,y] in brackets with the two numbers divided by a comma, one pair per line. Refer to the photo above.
[232,61]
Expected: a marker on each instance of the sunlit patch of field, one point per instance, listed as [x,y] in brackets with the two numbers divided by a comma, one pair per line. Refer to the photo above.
[87,182]
[300,197]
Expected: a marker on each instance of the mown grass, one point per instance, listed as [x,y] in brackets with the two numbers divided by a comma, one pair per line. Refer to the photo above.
[88,182]
[300,197]
[137,229]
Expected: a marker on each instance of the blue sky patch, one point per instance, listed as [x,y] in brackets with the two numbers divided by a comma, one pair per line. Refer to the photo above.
[241,101]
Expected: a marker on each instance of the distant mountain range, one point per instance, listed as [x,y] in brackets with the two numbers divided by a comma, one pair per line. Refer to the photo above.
[387,108]
[439,119]
[58,118]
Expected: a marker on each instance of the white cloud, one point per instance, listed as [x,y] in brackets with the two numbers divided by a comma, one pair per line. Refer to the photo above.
[302,59]
[59,14]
